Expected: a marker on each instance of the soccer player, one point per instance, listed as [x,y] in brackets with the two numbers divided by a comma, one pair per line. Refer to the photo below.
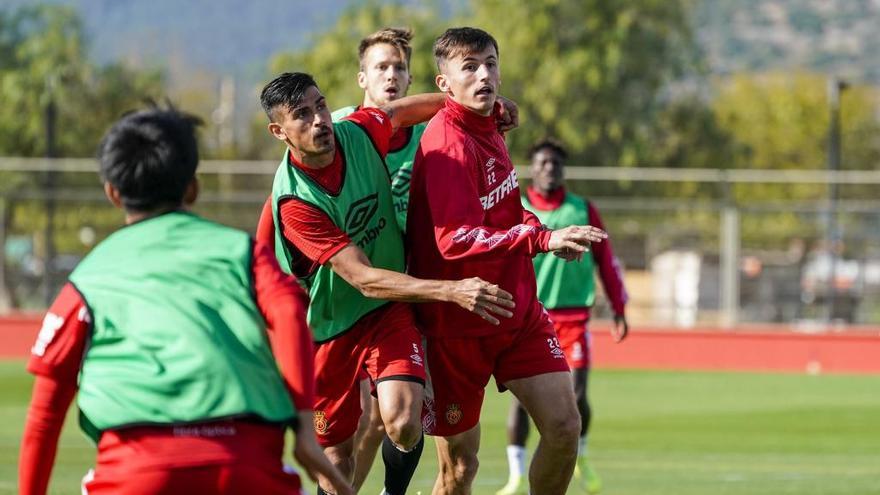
[567,290]
[465,219]
[384,61]
[335,228]
[161,333]
[384,76]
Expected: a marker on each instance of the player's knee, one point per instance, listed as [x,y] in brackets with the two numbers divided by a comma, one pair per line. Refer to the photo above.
[462,471]
[564,430]
[376,428]
[364,422]
[404,431]
[341,456]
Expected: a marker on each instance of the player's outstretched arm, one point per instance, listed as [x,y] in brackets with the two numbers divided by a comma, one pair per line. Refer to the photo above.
[574,240]
[473,294]
[411,110]
[311,456]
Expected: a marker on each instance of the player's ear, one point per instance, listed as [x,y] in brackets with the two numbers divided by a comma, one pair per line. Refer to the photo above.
[192,192]
[113,195]
[442,82]
[362,80]
[277,131]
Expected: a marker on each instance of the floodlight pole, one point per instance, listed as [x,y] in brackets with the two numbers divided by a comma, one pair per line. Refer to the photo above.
[835,87]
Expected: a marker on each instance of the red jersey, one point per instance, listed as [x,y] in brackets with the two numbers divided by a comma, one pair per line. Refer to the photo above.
[603,257]
[466,220]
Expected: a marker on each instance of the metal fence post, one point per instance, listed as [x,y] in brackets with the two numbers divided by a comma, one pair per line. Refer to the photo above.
[730,244]
[5,297]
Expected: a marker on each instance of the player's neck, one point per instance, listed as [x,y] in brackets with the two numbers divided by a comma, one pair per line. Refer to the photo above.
[369,103]
[543,192]
[477,112]
[313,161]
[139,216]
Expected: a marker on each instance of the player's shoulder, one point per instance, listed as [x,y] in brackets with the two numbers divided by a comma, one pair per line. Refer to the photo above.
[343,112]
[441,134]
[570,196]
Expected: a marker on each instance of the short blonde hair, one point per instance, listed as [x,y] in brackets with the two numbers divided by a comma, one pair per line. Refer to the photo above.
[396,37]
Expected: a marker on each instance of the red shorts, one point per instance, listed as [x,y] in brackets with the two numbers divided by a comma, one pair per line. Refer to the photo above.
[574,338]
[459,370]
[234,457]
[386,344]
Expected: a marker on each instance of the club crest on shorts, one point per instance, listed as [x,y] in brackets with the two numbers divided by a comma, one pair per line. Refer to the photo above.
[320,423]
[453,414]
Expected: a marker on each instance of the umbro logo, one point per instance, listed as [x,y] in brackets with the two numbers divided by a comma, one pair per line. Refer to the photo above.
[400,181]
[360,213]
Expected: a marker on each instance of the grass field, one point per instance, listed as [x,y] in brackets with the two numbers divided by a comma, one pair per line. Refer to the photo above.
[655,433]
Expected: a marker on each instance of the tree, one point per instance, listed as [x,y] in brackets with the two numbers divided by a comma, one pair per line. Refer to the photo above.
[591,73]
[332,59]
[783,122]
[43,62]
[47,61]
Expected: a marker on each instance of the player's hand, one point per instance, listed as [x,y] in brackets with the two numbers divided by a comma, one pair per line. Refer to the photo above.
[621,328]
[575,238]
[485,299]
[311,457]
[568,255]
[506,115]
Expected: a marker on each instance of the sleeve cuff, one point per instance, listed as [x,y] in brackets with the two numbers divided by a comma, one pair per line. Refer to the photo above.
[325,257]
[544,240]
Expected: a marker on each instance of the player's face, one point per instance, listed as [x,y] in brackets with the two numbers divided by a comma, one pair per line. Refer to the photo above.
[307,128]
[546,170]
[385,76]
[472,80]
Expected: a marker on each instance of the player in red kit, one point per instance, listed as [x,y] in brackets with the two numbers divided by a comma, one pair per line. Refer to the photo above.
[567,290]
[465,219]
[335,226]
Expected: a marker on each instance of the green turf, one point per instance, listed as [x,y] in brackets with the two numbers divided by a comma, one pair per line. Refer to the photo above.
[654,433]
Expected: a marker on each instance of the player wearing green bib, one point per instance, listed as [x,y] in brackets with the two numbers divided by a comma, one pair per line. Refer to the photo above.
[162,334]
[335,228]
[567,291]
[384,61]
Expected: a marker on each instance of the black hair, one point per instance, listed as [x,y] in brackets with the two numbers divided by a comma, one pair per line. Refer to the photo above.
[285,90]
[457,41]
[551,144]
[150,156]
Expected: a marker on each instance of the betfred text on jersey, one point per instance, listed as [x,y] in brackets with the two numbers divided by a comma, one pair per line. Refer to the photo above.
[500,192]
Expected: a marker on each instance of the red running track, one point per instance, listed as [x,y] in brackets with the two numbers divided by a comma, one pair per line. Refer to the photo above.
[764,348]
[767,348]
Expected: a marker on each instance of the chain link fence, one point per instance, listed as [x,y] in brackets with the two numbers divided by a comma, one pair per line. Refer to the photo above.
[696,257]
